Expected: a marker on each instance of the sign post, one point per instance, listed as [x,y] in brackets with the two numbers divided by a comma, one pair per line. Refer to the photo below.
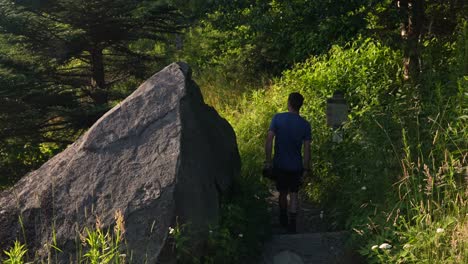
[337,114]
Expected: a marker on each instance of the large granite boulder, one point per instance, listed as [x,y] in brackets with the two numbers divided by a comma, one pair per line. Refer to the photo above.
[160,156]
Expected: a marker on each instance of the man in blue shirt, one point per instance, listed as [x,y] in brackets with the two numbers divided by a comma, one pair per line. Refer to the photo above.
[290,133]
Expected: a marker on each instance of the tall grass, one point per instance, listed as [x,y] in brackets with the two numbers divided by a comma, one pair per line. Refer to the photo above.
[98,246]
[425,218]
[104,246]
[400,176]
[399,179]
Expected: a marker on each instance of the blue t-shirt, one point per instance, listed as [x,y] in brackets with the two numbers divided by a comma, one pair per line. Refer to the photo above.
[290,132]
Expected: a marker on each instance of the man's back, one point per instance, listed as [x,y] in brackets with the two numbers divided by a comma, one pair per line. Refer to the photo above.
[290,132]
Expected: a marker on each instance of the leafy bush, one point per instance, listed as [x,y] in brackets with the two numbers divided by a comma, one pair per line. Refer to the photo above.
[399,177]
[365,71]
[241,232]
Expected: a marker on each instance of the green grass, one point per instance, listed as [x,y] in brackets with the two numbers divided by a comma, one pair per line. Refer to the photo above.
[97,245]
[399,177]
[15,255]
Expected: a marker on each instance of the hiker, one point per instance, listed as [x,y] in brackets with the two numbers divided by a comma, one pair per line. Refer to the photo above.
[290,132]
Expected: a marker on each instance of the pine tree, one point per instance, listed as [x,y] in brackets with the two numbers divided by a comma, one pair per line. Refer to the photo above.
[89,42]
[64,62]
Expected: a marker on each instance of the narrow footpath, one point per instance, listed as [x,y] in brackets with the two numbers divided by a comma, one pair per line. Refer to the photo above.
[312,244]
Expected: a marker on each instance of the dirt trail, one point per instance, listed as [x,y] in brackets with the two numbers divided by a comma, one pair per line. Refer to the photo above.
[312,243]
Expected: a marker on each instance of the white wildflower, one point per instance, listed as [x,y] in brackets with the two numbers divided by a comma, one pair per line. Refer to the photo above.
[241,235]
[363,188]
[374,247]
[440,230]
[171,230]
[211,231]
[385,246]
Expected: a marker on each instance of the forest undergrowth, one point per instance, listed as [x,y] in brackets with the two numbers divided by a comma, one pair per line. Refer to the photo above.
[398,181]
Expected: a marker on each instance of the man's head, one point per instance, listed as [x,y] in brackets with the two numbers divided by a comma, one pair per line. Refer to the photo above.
[295,101]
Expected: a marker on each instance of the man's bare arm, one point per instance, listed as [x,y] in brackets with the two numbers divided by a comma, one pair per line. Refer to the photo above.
[269,146]
[306,154]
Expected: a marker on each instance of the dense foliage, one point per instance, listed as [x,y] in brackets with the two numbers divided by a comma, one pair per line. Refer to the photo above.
[242,40]
[399,177]
[64,63]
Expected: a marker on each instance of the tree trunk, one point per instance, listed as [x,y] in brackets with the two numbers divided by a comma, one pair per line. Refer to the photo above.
[412,20]
[99,92]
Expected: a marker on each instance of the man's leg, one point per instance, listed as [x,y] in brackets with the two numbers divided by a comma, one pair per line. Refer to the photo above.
[283,200]
[293,201]
[283,206]
[282,187]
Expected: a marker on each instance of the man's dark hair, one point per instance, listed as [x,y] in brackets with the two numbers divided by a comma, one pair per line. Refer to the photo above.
[295,100]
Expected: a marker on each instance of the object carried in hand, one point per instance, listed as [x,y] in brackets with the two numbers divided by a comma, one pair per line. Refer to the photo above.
[267,172]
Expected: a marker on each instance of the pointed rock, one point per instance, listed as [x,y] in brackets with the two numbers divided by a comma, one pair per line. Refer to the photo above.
[161,154]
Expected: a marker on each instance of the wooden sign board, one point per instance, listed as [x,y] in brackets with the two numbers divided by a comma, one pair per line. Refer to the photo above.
[337,112]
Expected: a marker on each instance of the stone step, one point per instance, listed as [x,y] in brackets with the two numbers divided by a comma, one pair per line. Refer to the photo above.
[316,248]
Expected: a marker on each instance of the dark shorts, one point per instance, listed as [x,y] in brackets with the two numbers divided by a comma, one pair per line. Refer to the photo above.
[288,181]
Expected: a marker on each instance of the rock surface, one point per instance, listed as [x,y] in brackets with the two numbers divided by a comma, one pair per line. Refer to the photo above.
[315,242]
[310,248]
[287,257]
[160,156]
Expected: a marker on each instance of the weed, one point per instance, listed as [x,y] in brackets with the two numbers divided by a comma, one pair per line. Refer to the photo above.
[16,254]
